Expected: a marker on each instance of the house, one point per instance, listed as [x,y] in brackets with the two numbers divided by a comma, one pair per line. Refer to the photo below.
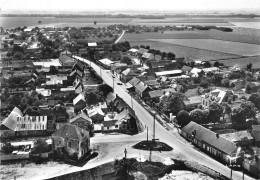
[210,142]
[238,136]
[186,69]
[18,125]
[253,166]
[79,66]
[256,133]
[110,97]
[253,86]
[171,73]
[66,60]
[96,114]
[141,51]
[192,102]
[158,57]
[71,142]
[79,88]
[237,84]
[156,94]
[123,121]
[82,121]
[152,83]
[66,52]
[127,75]
[79,103]
[218,96]
[133,51]
[141,89]
[92,44]
[106,62]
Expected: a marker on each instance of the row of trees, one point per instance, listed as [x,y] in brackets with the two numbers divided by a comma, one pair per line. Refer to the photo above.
[165,55]
[215,112]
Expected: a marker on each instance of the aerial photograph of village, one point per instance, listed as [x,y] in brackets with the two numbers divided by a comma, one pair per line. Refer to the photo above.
[129,90]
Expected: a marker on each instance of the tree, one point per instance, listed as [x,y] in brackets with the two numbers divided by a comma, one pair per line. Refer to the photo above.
[105,89]
[53,70]
[18,55]
[206,64]
[249,66]
[95,22]
[127,60]
[216,64]
[246,111]
[226,109]
[124,166]
[199,116]
[248,88]
[170,55]
[215,112]
[174,102]
[40,146]
[93,97]
[7,148]
[183,118]
[255,99]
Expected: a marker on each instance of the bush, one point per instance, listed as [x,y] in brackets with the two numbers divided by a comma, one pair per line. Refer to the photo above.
[7,148]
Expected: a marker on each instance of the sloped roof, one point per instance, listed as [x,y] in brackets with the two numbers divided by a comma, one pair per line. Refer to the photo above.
[237,136]
[177,71]
[121,115]
[186,68]
[151,83]
[110,97]
[78,98]
[159,93]
[109,122]
[71,131]
[158,57]
[146,78]
[209,137]
[129,72]
[11,121]
[66,59]
[106,61]
[141,87]
[93,44]
[142,50]
[80,115]
[79,64]
[134,81]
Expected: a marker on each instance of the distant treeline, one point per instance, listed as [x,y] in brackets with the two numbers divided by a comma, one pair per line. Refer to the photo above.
[126,15]
[224,29]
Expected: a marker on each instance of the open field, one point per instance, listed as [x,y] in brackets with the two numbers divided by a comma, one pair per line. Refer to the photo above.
[242,62]
[242,49]
[187,52]
[240,35]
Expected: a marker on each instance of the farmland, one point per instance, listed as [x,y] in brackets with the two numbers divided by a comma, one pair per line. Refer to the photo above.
[187,52]
[242,49]
[239,36]
[242,62]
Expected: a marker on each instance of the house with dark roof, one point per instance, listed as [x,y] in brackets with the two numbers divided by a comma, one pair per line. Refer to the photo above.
[141,89]
[156,94]
[78,65]
[127,75]
[82,121]
[71,142]
[79,103]
[210,142]
[123,121]
[152,83]
[238,136]
[66,61]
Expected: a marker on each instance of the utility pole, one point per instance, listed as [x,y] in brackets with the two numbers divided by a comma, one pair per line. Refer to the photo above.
[154,127]
[147,135]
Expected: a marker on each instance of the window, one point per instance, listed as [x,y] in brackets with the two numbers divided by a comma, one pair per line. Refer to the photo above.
[107,127]
[116,126]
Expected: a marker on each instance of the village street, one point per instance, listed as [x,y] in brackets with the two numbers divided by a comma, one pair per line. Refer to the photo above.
[162,134]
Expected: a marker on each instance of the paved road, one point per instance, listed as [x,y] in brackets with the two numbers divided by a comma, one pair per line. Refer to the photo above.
[161,133]
[120,37]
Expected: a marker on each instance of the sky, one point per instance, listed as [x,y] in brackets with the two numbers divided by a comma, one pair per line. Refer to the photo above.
[129,5]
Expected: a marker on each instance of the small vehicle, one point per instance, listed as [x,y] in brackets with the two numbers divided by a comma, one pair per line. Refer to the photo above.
[119,83]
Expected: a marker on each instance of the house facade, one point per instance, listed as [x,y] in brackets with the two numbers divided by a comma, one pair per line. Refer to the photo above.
[71,142]
[210,142]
